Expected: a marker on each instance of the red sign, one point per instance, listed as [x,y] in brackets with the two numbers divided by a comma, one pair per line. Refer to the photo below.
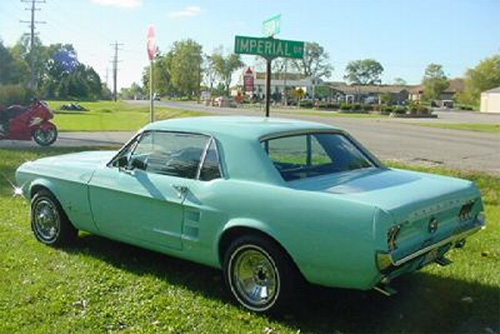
[248,83]
[248,80]
[151,43]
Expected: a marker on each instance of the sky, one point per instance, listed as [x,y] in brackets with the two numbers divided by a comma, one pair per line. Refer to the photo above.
[403,35]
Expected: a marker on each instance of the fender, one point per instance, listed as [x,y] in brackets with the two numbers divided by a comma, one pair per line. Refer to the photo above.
[246,223]
[47,125]
[45,183]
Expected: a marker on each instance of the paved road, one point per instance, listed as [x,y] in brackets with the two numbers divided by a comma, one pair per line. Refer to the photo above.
[389,139]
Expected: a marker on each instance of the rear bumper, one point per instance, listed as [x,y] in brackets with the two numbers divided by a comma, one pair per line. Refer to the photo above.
[387,263]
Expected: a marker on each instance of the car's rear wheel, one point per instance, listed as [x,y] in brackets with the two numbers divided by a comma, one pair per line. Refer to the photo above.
[260,275]
[49,222]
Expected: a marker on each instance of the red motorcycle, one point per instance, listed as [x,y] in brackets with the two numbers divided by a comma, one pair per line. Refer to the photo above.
[24,123]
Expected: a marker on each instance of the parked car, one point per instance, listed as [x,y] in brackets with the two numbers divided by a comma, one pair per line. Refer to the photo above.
[271,202]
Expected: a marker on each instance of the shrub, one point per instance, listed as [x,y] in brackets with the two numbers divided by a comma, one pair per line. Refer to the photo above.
[334,106]
[423,110]
[387,109]
[14,94]
[306,104]
[345,106]
[367,107]
[322,105]
[356,107]
[465,107]
[399,110]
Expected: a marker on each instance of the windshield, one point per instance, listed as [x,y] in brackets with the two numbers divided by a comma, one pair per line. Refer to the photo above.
[308,155]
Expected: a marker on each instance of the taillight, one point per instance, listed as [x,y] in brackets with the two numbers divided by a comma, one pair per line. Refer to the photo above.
[392,235]
[465,211]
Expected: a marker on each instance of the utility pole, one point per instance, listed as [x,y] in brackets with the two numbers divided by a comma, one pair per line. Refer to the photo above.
[32,23]
[115,62]
[284,83]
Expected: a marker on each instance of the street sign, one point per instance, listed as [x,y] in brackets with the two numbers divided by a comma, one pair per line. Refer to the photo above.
[269,48]
[272,26]
[151,43]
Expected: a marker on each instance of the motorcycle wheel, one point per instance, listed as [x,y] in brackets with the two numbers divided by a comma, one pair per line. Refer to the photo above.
[45,137]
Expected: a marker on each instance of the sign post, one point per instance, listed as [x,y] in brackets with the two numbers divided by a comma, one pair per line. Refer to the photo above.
[269,48]
[151,55]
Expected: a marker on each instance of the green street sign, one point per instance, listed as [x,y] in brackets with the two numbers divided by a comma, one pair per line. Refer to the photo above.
[269,48]
[272,26]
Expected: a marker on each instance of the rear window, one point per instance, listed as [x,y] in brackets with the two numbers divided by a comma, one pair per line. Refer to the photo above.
[308,155]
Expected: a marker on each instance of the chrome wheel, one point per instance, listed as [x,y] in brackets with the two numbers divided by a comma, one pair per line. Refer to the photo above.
[46,220]
[254,278]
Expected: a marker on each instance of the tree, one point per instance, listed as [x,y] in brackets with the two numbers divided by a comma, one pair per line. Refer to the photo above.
[177,72]
[435,82]
[400,81]
[486,75]
[364,72]
[226,66]
[12,71]
[185,66]
[22,53]
[61,62]
[210,75]
[161,74]
[59,73]
[133,92]
[298,94]
[315,64]
[386,98]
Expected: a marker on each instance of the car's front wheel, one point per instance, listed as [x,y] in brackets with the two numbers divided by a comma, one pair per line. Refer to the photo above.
[49,222]
[260,275]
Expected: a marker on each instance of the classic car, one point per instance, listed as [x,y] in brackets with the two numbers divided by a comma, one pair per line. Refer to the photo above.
[272,202]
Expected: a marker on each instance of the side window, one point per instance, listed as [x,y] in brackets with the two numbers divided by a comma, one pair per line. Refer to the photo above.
[309,155]
[210,169]
[169,153]
[287,150]
[303,150]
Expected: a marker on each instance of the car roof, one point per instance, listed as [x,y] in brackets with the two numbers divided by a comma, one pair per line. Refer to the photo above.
[237,126]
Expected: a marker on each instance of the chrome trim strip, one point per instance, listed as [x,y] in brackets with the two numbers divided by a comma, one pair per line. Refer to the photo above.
[438,244]
[202,159]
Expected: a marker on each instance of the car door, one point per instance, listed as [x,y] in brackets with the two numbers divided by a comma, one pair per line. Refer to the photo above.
[139,195]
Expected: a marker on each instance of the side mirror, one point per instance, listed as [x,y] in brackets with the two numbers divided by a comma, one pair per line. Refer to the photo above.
[122,162]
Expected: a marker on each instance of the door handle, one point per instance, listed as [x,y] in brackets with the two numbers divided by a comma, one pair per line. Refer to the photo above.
[181,190]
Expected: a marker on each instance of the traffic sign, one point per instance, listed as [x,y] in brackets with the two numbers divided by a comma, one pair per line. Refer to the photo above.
[272,26]
[151,43]
[269,48]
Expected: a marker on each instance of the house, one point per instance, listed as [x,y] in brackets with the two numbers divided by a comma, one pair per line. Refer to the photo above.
[368,93]
[447,97]
[490,100]
[278,82]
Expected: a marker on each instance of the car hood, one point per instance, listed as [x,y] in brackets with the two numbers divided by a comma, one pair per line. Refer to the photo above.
[82,159]
[402,193]
[74,167]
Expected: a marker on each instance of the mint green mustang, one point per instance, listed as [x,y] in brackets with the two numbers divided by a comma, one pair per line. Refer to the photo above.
[272,202]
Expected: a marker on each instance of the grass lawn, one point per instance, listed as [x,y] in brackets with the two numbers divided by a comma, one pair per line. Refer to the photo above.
[102,286]
[111,116]
[479,127]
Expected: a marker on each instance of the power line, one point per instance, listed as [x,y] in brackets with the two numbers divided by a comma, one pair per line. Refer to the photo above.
[115,61]
[32,23]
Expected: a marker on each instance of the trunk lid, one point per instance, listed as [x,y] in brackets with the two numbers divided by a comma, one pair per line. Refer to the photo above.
[412,199]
